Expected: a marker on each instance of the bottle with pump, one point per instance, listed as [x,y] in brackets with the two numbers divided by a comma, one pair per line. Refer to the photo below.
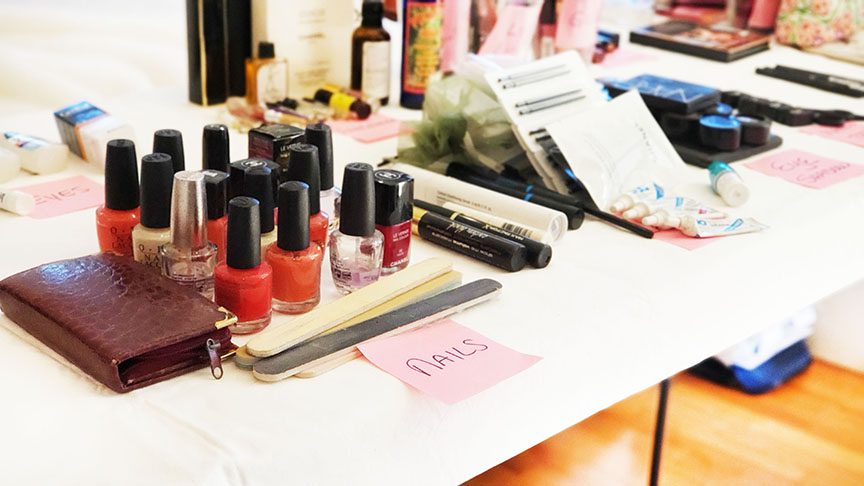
[356,248]
[266,76]
[244,283]
[303,167]
[370,54]
[157,177]
[319,135]
[295,260]
[116,219]
[189,258]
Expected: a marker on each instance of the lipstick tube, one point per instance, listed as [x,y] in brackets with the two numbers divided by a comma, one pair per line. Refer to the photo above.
[469,241]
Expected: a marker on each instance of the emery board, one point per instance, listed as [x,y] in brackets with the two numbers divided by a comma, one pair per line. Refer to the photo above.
[340,343]
[439,284]
[448,281]
[276,339]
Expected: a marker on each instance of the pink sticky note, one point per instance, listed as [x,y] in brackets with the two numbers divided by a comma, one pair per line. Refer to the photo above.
[64,196]
[623,57]
[577,24]
[806,169]
[446,360]
[376,127]
[675,237]
[513,30]
[850,132]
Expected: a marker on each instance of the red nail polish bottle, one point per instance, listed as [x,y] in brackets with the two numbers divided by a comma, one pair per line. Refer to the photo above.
[120,213]
[296,262]
[394,196]
[216,184]
[244,284]
[303,166]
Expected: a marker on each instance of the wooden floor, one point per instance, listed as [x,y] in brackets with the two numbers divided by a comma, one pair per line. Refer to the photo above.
[810,431]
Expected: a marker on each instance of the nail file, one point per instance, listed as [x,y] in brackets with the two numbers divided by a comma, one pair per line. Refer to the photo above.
[276,339]
[341,343]
[449,280]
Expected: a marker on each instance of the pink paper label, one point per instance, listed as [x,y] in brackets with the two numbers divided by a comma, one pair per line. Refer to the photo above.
[577,24]
[376,127]
[513,30]
[850,132]
[806,169]
[446,360]
[675,237]
[624,57]
[64,196]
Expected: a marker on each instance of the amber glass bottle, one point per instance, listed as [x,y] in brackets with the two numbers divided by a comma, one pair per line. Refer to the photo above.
[370,55]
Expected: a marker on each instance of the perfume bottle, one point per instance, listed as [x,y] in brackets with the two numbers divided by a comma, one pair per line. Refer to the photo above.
[244,284]
[157,176]
[216,186]
[295,261]
[394,196]
[266,76]
[356,248]
[319,135]
[303,167]
[421,49]
[370,54]
[215,149]
[170,141]
[116,219]
[258,184]
[189,259]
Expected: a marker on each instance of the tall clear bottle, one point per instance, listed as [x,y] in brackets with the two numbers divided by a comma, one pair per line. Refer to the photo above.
[356,248]
[189,259]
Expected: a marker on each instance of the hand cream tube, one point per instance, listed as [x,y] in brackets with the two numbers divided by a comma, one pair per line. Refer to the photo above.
[18,202]
[440,189]
[648,192]
[707,228]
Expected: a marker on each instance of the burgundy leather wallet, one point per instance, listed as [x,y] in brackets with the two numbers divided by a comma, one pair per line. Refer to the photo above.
[117,320]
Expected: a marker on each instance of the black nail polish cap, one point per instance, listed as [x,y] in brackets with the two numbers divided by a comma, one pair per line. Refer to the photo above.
[394,193]
[293,216]
[157,178]
[216,184]
[244,233]
[239,168]
[170,141]
[258,185]
[121,175]
[215,148]
[319,135]
[357,216]
[303,166]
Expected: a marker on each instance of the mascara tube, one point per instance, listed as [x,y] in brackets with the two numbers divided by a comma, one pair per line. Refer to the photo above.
[469,241]
[538,254]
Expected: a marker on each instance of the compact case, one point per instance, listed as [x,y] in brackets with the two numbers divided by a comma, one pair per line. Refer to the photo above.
[118,321]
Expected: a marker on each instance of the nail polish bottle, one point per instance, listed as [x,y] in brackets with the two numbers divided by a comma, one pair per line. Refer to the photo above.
[394,196]
[295,260]
[303,167]
[257,184]
[157,177]
[244,283]
[215,149]
[319,135]
[170,141]
[216,186]
[189,259]
[120,213]
[356,248]
[237,171]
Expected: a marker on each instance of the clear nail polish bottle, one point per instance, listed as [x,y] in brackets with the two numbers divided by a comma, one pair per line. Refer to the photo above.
[319,135]
[189,259]
[356,248]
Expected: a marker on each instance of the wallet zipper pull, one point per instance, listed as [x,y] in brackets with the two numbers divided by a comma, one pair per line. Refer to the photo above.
[215,358]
